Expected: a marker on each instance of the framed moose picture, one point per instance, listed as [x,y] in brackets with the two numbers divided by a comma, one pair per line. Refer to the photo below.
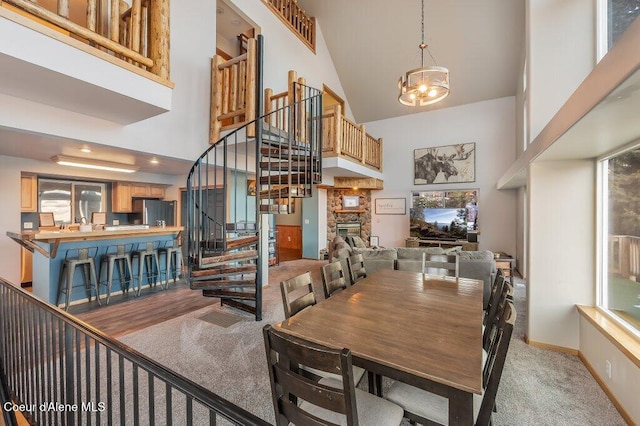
[445,164]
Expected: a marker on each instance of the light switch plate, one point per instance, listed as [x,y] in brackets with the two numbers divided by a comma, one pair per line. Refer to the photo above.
[116,222]
[28,225]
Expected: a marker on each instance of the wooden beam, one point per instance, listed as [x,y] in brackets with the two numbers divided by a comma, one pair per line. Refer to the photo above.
[360,183]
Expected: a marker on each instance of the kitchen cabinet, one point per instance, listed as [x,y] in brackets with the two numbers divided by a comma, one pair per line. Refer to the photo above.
[28,193]
[121,197]
[139,190]
[147,190]
[156,191]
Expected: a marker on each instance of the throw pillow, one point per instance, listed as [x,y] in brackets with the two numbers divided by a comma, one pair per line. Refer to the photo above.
[358,242]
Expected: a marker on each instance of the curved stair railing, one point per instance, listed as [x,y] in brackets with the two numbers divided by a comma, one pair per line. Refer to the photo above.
[224,253]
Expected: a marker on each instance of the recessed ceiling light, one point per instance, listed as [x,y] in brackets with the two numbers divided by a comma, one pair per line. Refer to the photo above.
[154,161]
[85,150]
[235,22]
[219,10]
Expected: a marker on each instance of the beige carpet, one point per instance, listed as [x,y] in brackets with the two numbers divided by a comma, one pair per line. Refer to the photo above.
[539,387]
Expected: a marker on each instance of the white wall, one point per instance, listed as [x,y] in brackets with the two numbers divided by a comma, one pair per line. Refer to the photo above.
[561,46]
[624,383]
[491,126]
[561,264]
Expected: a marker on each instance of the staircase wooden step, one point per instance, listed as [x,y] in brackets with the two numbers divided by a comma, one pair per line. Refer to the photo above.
[275,208]
[241,227]
[285,192]
[295,178]
[222,284]
[241,295]
[242,241]
[243,306]
[203,274]
[208,262]
[279,166]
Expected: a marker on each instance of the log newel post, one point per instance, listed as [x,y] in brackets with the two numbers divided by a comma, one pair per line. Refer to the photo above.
[159,36]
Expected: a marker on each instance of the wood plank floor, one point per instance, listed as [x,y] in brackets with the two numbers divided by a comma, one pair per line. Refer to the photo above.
[126,313]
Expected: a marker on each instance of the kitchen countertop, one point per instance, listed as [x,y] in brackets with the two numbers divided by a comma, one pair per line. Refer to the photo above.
[28,239]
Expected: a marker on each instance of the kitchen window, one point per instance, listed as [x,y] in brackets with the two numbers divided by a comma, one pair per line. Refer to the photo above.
[71,201]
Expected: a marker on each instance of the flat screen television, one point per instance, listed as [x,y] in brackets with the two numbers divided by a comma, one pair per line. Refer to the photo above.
[443,215]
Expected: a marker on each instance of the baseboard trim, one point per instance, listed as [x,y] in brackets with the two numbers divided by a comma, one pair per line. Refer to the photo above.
[554,348]
[627,418]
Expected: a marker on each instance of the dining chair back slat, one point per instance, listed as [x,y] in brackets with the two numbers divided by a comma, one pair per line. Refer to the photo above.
[291,288]
[441,264]
[494,297]
[333,280]
[285,355]
[495,363]
[357,271]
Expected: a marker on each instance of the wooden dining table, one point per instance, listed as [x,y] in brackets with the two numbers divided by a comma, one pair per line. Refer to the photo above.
[424,330]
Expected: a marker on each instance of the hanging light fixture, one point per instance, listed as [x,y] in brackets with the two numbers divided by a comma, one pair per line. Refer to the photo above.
[425,85]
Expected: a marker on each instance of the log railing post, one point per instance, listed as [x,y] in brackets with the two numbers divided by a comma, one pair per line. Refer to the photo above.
[92,13]
[136,9]
[363,149]
[250,85]
[302,108]
[216,99]
[337,113]
[380,154]
[63,8]
[159,35]
[114,21]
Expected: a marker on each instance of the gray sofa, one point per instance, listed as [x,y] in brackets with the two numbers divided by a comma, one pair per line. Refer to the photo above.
[473,264]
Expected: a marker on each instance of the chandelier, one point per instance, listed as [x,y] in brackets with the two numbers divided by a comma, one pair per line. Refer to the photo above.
[425,85]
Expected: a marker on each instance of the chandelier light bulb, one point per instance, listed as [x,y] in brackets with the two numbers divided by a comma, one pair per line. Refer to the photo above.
[432,93]
[423,88]
[412,96]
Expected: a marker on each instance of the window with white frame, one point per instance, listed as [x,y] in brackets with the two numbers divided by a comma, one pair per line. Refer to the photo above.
[619,283]
[614,17]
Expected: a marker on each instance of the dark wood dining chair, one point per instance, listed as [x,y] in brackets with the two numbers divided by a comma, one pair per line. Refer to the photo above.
[301,401]
[496,291]
[333,280]
[297,294]
[442,264]
[357,271]
[428,408]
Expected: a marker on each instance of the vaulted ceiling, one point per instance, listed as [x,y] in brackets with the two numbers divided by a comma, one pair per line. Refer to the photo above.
[373,42]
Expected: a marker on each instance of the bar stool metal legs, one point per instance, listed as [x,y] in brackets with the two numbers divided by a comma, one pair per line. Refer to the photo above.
[84,257]
[145,255]
[173,260]
[120,256]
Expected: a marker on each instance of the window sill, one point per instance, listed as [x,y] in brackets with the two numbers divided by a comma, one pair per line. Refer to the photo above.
[626,342]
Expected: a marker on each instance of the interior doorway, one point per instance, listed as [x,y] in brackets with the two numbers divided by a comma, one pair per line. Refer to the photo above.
[289,228]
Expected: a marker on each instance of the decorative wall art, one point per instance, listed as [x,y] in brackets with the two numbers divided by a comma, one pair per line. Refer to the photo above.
[391,206]
[445,164]
[350,202]
[251,187]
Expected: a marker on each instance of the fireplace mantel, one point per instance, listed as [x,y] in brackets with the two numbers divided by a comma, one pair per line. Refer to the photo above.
[350,211]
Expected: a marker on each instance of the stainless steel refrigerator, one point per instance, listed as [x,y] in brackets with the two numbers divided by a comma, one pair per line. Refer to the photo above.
[151,211]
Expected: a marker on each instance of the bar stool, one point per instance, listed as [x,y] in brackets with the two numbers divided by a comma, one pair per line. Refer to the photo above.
[78,257]
[170,249]
[120,255]
[145,255]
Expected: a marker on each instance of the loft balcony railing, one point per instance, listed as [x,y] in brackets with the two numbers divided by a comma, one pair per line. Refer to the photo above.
[276,114]
[343,138]
[296,19]
[136,33]
[233,92]
[49,357]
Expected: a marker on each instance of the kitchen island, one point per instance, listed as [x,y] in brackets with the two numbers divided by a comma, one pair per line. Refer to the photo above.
[50,247]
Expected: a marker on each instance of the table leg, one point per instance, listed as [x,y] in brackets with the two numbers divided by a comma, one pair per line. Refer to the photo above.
[460,408]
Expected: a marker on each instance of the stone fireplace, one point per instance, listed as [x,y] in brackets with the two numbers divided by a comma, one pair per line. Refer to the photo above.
[353,219]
